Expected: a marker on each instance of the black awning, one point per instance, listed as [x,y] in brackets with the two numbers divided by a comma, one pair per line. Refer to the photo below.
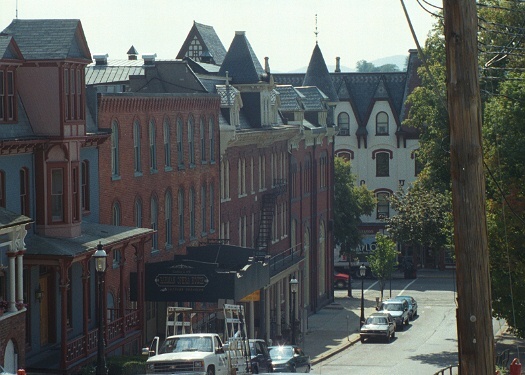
[206,274]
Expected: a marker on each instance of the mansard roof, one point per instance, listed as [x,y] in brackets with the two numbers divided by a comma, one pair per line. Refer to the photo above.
[240,62]
[291,98]
[313,98]
[50,39]
[317,75]
[209,40]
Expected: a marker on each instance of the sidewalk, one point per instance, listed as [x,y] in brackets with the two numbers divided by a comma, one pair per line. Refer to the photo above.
[336,326]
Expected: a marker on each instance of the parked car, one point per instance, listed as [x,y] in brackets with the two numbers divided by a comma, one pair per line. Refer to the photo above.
[260,356]
[341,280]
[398,309]
[378,325]
[412,306]
[289,358]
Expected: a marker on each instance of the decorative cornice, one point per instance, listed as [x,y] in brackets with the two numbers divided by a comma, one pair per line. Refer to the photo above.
[120,104]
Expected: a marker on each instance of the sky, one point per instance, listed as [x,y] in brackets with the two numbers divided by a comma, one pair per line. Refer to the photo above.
[283,30]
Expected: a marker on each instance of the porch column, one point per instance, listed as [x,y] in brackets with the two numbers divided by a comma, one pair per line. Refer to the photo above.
[20,277]
[63,286]
[287,301]
[267,313]
[12,283]
[251,319]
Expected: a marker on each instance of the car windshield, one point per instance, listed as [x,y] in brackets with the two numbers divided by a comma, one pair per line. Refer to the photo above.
[376,320]
[186,344]
[281,352]
[393,307]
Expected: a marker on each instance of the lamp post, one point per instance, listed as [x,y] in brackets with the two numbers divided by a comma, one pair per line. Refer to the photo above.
[362,273]
[294,284]
[100,268]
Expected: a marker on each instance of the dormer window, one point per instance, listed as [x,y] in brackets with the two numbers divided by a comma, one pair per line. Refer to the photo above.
[7,96]
[382,123]
[343,122]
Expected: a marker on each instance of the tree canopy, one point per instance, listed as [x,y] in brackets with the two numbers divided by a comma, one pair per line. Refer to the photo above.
[364,66]
[382,260]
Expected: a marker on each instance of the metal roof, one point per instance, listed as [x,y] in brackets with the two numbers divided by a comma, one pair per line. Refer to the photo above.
[114,71]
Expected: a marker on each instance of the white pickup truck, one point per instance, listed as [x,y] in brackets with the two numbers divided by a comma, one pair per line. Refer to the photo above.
[196,354]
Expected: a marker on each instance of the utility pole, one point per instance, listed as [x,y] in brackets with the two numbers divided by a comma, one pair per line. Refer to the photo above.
[474,320]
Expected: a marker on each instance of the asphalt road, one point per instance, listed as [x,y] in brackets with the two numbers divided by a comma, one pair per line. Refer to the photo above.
[427,345]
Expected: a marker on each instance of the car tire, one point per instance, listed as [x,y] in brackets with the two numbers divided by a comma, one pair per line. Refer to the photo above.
[394,334]
[407,322]
[255,369]
[388,338]
[362,339]
[210,371]
[307,369]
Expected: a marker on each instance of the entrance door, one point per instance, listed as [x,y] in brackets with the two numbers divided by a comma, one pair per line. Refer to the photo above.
[44,312]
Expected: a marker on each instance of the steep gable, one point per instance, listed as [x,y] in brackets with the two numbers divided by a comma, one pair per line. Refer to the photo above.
[9,49]
[50,39]
[240,61]
[212,48]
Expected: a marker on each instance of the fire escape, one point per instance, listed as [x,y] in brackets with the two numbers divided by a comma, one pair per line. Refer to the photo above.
[266,220]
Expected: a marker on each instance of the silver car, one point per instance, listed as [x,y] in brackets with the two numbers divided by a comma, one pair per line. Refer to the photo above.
[412,306]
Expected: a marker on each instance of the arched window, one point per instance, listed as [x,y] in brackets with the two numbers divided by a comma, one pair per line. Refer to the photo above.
[382,164]
[167,143]
[152,145]
[191,140]
[382,123]
[203,139]
[138,213]
[321,260]
[343,122]
[154,223]
[84,185]
[115,216]
[181,215]
[203,208]
[168,219]
[24,192]
[136,147]
[180,151]
[383,204]
[212,140]
[115,162]
[192,213]
[212,202]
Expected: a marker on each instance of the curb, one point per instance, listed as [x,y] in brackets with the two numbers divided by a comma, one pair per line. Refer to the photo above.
[354,338]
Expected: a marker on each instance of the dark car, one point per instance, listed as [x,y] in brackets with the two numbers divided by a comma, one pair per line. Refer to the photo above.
[341,280]
[398,309]
[412,306]
[289,358]
[378,325]
[260,357]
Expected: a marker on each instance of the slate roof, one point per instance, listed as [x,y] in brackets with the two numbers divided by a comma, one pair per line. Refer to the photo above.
[240,62]
[114,71]
[317,75]
[9,49]
[209,40]
[49,39]
[11,219]
[91,234]
[314,99]
[291,99]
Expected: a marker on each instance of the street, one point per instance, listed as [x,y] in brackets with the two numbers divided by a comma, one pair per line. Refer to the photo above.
[427,345]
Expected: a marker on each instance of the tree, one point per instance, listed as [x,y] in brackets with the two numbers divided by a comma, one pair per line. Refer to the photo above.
[350,203]
[423,218]
[382,260]
[364,66]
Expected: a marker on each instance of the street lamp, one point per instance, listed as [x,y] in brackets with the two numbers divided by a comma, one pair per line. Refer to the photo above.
[362,273]
[100,268]
[294,284]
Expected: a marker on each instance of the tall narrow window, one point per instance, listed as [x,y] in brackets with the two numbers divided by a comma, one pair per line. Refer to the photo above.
[72,93]
[2,96]
[181,215]
[136,147]
[382,164]
[154,223]
[203,208]
[382,123]
[138,213]
[203,139]
[212,202]
[2,189]
[84,185]
[180,152]
[24,192]
[115,216]
[212,140]
[168,222]
[191,140]
[57,194]
[343,123]
[66,94]
[152,146]
[10,96]
[79,95]
[115,163]
[192,213]
[75,194]
[383,205]
[167,144]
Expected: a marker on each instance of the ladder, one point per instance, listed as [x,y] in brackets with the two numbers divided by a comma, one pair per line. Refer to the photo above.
[235,335]
[178,320]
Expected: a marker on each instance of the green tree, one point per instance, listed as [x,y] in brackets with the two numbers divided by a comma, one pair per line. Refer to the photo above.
[350,203]
[364,66]
[382,260]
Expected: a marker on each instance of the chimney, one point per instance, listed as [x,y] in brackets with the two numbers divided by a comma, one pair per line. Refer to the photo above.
[132,53]
[101,59]
[337,65]
[149,58]
[266,65]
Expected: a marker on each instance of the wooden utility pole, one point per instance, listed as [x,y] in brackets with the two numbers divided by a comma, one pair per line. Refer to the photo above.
[474,320]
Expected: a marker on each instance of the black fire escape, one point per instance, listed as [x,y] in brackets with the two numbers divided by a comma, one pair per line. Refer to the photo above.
[266,220]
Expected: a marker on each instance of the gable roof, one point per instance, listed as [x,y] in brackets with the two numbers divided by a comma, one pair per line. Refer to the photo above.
[317,75]
[50,39]
[240,61]
[212,45]
[9,49]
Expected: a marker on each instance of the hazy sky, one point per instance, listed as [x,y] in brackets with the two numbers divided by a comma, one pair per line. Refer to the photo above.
[283,30]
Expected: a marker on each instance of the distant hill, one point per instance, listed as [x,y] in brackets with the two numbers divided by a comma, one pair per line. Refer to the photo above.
[399,60]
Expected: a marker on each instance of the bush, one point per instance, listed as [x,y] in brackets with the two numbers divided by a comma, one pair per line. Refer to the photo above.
[126,365]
